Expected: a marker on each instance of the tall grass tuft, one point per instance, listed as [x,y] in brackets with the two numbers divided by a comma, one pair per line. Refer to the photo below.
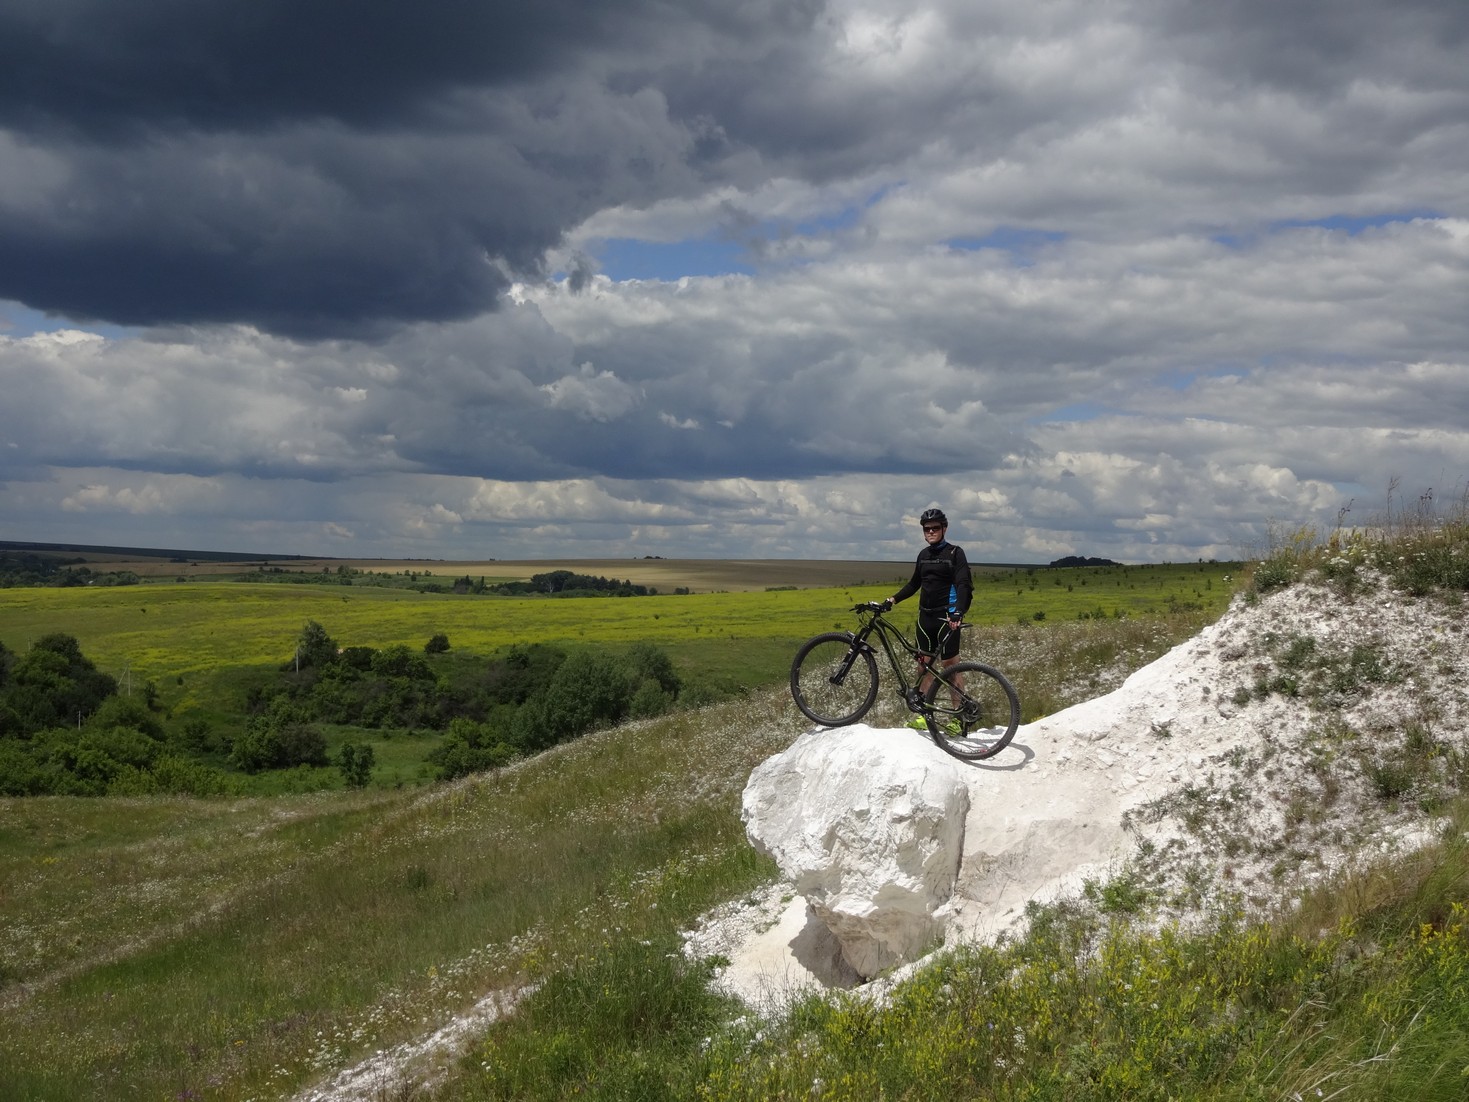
[1419,546]
[624,1019]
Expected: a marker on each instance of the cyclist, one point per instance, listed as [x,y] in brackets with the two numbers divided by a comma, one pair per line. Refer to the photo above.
[941,580]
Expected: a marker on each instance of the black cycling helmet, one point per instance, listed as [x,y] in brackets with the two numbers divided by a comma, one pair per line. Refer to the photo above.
[934,516]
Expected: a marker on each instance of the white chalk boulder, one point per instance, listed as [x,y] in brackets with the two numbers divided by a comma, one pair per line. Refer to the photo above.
[869,827]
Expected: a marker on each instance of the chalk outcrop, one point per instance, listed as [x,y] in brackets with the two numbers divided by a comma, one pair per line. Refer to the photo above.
[869,828]
[1189,771]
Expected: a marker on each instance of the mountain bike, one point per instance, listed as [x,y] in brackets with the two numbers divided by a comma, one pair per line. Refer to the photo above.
[971,710]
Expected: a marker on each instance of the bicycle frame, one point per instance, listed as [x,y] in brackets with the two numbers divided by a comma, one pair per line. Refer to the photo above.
[889,633]
[835,679]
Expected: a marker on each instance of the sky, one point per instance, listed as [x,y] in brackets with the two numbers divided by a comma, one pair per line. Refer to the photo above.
[1151,280]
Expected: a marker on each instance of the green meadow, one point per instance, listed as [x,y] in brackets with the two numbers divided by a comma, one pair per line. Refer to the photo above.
[192,639]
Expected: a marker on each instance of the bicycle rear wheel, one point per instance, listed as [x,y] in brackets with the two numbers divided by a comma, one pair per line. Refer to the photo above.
[833,680]
[987,712]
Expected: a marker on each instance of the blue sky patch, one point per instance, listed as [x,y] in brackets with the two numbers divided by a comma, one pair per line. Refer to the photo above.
[628,258]
[732,251]
[17,321]
[1020,242]
[1354,224]
[1077,411]
[1350,224]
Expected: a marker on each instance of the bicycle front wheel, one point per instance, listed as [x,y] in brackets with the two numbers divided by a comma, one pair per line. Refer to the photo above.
[972,710]
[834,679]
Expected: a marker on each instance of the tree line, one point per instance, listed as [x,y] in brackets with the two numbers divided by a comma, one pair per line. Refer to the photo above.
[19,569]
[33,569]
[566,583]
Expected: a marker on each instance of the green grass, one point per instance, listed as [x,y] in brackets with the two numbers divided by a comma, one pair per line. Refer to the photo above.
[1419,547]
[1089,1008]
[163,632]
[240,948]
[233,948]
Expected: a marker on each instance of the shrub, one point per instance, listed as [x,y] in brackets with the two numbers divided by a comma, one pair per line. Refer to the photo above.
[470,747]
[1274,573]
[124,711]
[399,661]
[357,658]
[648,661]
[356,764]
[267,745]
[648,700]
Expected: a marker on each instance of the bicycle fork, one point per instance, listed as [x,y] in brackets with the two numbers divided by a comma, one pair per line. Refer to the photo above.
[839,675]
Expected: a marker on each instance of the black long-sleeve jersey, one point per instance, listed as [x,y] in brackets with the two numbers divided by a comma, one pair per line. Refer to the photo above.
[941,579]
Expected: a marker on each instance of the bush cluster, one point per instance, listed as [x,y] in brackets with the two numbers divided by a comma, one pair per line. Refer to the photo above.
[520,701]
[28,568]
[65,731]
[572,694]
[565,583]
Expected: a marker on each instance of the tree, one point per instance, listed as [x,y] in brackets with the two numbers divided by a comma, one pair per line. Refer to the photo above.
[124,711]
[267,744]
[356,764]
[52,684]
[649,661]
[589,690]
[314,647]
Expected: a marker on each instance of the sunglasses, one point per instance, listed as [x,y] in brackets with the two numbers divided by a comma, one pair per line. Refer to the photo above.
[933,527]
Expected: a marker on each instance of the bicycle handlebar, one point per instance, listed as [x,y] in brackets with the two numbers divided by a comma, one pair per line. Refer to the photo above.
[877,608]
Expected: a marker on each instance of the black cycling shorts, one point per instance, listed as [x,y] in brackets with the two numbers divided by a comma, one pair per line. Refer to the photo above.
[935,637]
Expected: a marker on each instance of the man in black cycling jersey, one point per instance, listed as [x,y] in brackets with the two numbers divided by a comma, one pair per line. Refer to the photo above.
[941,580]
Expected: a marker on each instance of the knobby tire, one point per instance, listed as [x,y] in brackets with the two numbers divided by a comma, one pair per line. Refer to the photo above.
[987,716]
[832,684]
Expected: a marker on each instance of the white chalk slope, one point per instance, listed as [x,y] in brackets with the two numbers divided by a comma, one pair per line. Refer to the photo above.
[1189,778]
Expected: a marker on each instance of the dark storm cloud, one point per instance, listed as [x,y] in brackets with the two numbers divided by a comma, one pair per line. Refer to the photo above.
[114,68]
[1130,278]
[317,168]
